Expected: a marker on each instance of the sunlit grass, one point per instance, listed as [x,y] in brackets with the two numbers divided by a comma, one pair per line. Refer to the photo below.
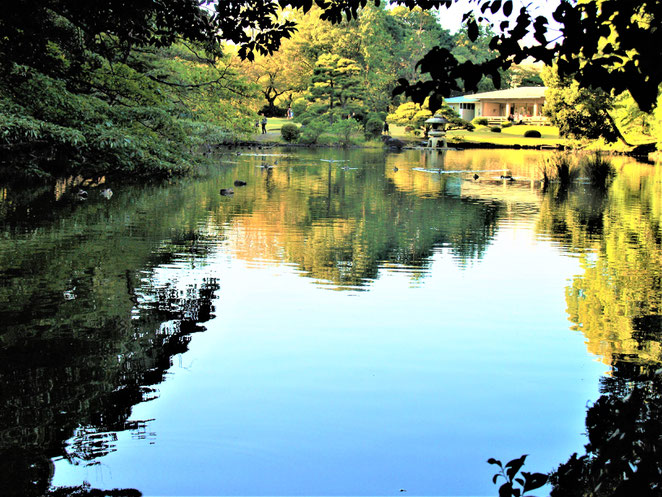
[275,123]
[513,135]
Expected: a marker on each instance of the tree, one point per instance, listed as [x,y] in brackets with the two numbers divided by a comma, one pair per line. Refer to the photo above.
[337,80]
[415,32]
[579,112]
[526,75]
[603,43]
[279,75]
[476,51]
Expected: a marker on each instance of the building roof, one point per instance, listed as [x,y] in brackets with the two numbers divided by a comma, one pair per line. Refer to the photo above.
[524,92]
[461,99]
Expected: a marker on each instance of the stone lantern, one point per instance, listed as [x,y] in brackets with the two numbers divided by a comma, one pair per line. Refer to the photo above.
[437,131]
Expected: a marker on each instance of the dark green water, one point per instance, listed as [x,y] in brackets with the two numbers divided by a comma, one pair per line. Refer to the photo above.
[332,328]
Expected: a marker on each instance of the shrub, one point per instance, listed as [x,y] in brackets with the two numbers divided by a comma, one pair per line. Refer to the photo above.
[532,133]
[507,124]
[290,132]
[495,129]
[598,170]
[480,121]
[274,111]
[345,130]
[373,127]
[311,132]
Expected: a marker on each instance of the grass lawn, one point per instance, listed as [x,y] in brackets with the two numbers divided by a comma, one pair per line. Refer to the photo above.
[275,123]
[513,135]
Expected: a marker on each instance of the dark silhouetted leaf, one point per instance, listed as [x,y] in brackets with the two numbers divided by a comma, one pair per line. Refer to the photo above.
[496,5]
[534,480]
[507,8]
[514,466]
[491,460]
[506,490]
[472,30]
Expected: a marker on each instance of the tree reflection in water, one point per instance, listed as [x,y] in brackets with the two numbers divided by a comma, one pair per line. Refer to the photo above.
[119,371]
[76,353]
[616,304]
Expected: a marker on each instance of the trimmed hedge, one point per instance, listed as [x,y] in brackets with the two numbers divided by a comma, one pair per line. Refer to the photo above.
[495,129]
[532,133]
[290,132]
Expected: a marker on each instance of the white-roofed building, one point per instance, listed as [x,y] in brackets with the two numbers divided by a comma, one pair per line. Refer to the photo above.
[517,104]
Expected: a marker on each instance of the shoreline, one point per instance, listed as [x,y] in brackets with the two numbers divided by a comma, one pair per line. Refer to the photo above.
[644,152]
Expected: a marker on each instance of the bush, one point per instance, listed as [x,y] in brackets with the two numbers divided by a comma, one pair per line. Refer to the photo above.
[311,132]
[480,121]
[532,133]
[290,132]
[345,130]
[373,127]
[507,124]
[495,129]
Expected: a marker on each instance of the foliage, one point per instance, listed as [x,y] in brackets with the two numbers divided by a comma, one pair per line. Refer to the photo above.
[468,51]
[279,76]
[290,132]
[313,130]
[532,133]
[347,131]
[480,121]
[103,90]
[578,112]
[85,490]
[603,44]
[526,482]
[495,129]
[337,80]
[410,114]
[373,127]
[522,75]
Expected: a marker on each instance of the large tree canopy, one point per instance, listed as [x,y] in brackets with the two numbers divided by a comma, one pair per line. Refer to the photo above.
[602,43]
[71,71]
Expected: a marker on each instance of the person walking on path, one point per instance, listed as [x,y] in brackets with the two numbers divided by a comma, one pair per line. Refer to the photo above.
[264,125]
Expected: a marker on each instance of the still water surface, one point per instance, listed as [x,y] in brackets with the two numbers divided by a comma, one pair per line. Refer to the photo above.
[347,323]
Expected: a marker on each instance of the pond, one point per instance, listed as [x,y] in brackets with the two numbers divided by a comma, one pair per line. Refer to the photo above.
[346,323]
